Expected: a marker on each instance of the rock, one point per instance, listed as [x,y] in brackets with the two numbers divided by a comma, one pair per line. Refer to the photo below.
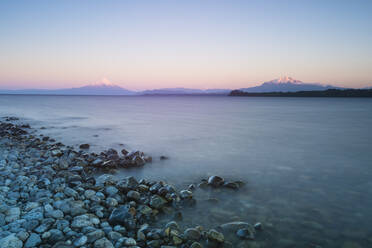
[144,209]
[84,220]
[89,193]
[245,233]
[103,243]
[235,226]
[130,242]
[122,216]
[114,235]
[191,187]
[203,185]
[104,179]
[11,241]
[215,181]
[138,161]
[57,214]
[97,162]
[231,185]
[84,146]
[163,157]
[184,194]
[172,225]
[23,235]
[215,236]
[192,234]
[196,245]
[71,192]
[95,235]
[134,195]
[111,202]
[128,183]
[157,201]
[124,152]
[111,190]
[56,153]
[177,240]
[80,241]
[63,163]
[55,236]
[258,226]
[33,241]
[12,214]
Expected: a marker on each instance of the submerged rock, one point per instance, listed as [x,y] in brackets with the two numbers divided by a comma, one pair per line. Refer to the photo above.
[245,233]
[215,236]
[192,234]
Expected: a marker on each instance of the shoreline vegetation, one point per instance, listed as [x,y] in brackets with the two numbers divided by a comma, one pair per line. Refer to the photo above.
[322,93]
[52,195]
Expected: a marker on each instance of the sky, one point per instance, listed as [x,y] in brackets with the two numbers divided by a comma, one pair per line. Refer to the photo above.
[194,44]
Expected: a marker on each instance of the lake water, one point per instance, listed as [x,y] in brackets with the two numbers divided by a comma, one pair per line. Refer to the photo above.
[307,162]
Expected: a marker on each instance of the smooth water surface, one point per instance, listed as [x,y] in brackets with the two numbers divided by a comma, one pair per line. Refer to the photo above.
[307,161]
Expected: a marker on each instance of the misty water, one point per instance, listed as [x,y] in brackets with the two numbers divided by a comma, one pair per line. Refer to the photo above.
[307,162]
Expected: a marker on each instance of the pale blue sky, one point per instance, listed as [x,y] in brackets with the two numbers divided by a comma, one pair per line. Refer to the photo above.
[195,44]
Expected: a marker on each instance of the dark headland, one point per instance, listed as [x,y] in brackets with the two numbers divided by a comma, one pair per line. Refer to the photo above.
[320,93]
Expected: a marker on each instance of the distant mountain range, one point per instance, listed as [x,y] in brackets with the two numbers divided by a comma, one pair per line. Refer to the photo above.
[104,87]
[287,84]
[184,91]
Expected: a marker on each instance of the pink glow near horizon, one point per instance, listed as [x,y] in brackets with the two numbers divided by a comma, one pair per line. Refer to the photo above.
[148,45]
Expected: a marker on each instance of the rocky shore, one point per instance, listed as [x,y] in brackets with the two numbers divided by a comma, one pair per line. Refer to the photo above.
[52,195]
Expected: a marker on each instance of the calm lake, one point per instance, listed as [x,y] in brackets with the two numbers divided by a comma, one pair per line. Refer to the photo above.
[307,162]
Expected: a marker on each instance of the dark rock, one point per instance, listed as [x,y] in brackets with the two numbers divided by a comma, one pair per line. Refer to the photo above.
[127,183]
[157,201]
[124,152]
[192,234]
[215,181]
[122,216]
[93,236]
[245,233]
[215,236]
[84,146]
[164,157]
[133,195]
[231,185]
[258,226]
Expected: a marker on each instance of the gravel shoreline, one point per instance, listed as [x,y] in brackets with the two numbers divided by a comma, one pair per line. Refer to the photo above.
[50,198]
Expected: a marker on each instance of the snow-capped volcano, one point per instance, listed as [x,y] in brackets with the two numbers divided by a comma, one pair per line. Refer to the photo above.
[287,84]
[285,79]
[104,82]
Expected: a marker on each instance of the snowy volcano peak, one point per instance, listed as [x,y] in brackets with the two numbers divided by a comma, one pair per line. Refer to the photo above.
[104,82]
[285,79]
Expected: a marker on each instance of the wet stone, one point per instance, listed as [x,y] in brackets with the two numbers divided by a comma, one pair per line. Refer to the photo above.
[103,243]
[84,146]
[192,234]
[216,181]
[80,241]
[215,236]
[245,233]
[33,241]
